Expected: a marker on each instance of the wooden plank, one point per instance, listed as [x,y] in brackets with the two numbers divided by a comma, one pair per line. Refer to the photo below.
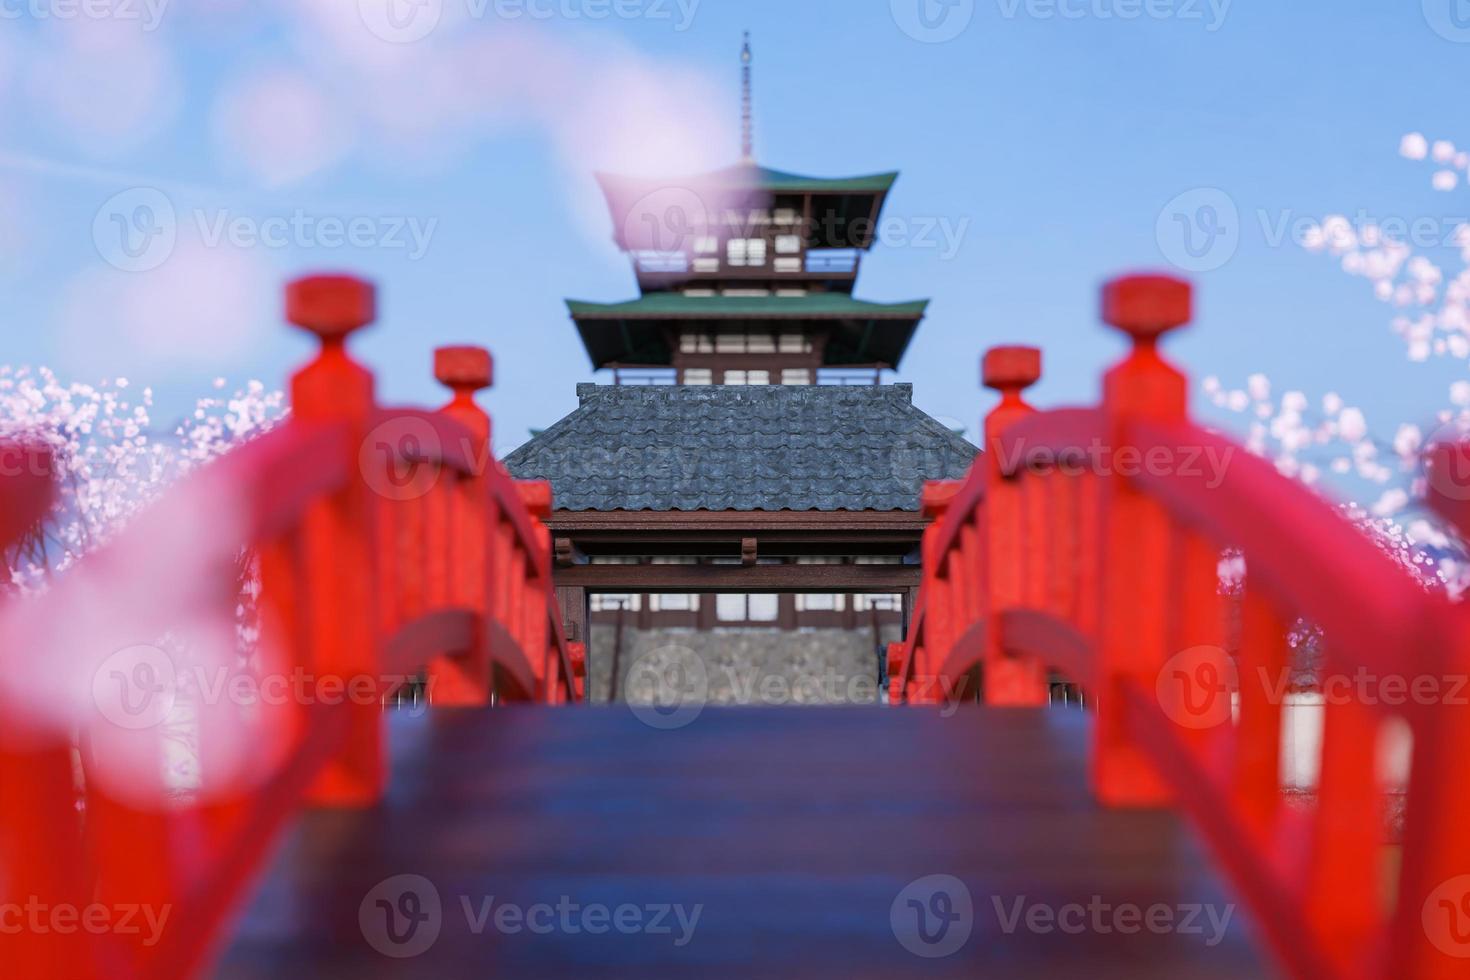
[794,829]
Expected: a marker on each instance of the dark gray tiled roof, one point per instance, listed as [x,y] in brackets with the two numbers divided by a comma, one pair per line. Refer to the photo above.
[767,447]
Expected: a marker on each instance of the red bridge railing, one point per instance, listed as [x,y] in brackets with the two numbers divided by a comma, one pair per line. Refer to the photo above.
[393,553]
[1088,542]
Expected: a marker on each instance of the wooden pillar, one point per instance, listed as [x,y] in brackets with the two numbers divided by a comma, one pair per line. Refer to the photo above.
[462,677]
[1008,536]
[338,607]
[574,613]
[786,616]
[1134,644]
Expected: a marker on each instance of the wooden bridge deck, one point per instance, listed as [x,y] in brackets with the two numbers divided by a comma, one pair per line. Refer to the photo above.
[795,829]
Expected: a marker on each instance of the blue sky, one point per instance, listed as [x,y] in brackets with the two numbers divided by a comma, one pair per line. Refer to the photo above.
[1049,136]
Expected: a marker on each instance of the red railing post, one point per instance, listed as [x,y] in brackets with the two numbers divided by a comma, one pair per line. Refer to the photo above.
[1009,530]
[924,683]
[463,678]
[536,640]
[1135,581]
[338,609]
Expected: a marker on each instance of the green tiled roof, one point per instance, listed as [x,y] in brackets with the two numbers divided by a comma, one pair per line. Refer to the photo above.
[675,305]
[764,179]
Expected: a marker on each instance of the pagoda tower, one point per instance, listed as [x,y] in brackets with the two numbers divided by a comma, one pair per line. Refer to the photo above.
[745,499]
[746,277]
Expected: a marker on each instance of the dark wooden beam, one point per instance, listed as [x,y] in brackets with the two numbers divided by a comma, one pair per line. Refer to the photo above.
[739,578]
[865,521]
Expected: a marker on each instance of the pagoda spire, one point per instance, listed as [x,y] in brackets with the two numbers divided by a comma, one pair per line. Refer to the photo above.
[747,125]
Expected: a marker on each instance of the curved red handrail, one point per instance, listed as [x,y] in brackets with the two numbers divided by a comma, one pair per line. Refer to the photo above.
[366,583]
[1083,542]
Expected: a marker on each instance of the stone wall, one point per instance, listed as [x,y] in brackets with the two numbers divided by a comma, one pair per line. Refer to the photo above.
[738,666]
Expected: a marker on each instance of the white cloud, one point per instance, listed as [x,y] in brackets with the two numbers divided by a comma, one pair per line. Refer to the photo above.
[203,307]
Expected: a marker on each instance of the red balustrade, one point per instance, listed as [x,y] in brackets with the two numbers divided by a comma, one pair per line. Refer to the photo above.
[393,554]
[1087,542]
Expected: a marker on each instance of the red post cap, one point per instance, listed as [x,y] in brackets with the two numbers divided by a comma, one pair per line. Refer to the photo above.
[1147,306]
[331,306]
[465,367]
[936,497]
[536,495]
[1010,367]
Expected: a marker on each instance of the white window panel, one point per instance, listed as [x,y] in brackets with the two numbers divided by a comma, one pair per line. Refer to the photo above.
[794,343]
[735,252]
[730,608]
[764,608]
[790,292]
[706,265]
[796,376]
[788,265]
[706,245]
[699,292]
[821,602]
[730,343]
[760,343]
[785,216]
[757,377]
[601,602]
[755,251]
[747,291]
[675,603]
[698,376]
[788,244]
[735,377]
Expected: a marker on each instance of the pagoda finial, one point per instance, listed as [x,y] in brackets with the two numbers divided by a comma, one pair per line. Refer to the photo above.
[747,126]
